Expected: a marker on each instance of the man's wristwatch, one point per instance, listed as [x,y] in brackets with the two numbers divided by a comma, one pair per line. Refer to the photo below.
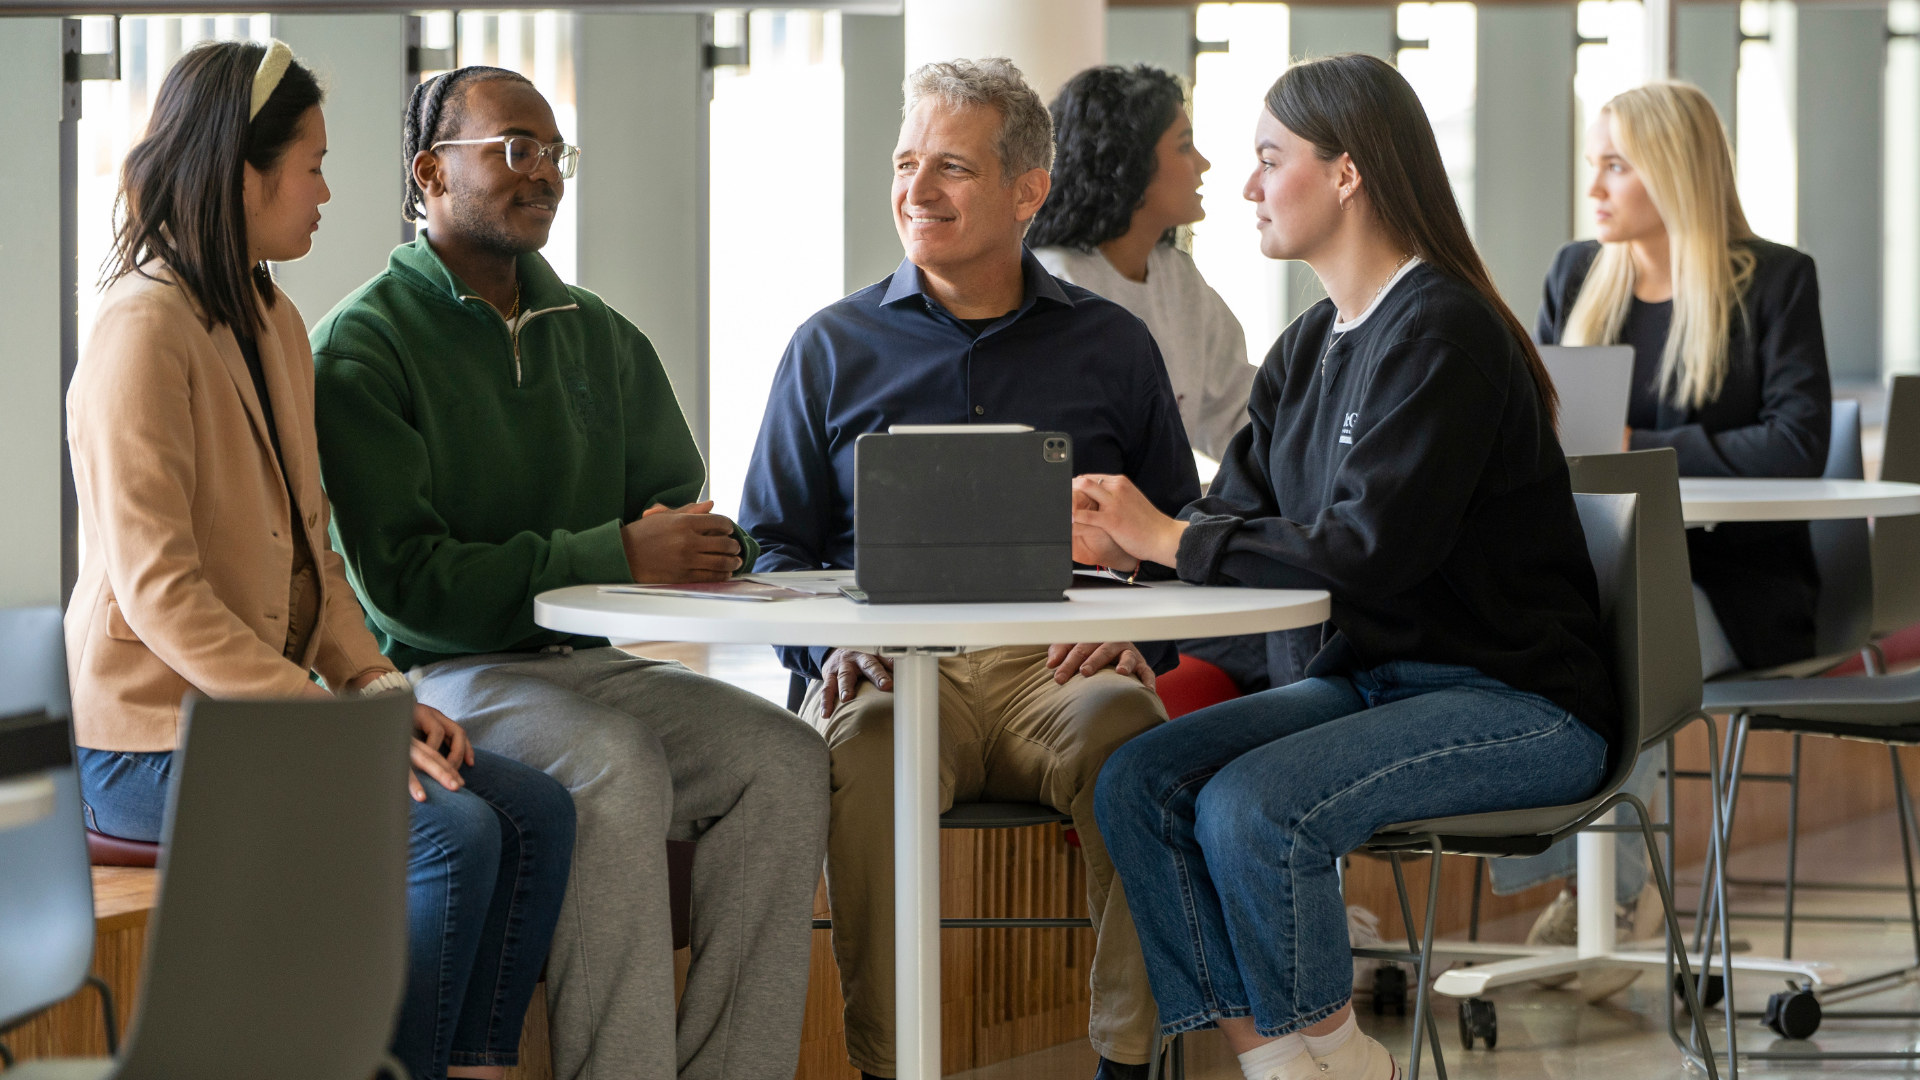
[391,682]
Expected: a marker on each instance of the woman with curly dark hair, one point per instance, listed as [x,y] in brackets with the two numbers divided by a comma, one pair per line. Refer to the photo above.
[1126,175]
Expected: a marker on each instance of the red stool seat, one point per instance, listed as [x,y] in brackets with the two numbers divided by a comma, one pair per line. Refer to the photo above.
[104,850]
[1194,685]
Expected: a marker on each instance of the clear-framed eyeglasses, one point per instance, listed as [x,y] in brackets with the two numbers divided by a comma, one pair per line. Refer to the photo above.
[524,153]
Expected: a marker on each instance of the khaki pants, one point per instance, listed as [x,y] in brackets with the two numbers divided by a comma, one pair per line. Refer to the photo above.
[1008,733]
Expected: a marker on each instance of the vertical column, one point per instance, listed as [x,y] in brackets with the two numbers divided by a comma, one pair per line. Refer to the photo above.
[1159,36]
[1522,133]
[1049,40]
[643,94]
[873,58]
[1706,52]
[30,308]
[1659,16]
[361,62]
[1325,31]
[1837,58]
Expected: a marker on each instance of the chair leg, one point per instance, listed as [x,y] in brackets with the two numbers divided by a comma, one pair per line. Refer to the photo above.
[1717,794]
[1675,943]
[1793,840]
[1179,1057]
[1423,1023]
[1473,916]
[1903,808]
[1154,1072]
[1714,911]
[108,1019]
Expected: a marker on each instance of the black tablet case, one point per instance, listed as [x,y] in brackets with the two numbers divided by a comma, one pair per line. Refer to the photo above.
[963,517]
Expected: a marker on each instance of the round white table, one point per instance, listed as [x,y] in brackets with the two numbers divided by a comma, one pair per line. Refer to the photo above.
[1711,500]
[916,636]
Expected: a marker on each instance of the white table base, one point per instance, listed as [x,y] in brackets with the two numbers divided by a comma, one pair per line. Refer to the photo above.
[1597,947]
[916,856]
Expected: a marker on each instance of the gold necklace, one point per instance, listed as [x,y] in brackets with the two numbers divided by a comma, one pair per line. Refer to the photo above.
[515,310]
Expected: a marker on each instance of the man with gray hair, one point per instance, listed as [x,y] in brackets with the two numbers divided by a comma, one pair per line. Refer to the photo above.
[970,329]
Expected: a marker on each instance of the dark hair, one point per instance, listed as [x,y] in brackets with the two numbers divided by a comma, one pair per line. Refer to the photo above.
[435,111]
[1361,106]
[182,188]
[1107,123]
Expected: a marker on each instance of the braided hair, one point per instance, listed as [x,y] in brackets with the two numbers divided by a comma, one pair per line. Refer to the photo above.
[436,107]
[1107,123]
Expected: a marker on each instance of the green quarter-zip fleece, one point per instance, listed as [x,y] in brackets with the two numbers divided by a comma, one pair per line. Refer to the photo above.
[474,464]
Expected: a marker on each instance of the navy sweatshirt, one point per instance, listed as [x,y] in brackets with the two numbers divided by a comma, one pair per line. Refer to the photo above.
[1414,474]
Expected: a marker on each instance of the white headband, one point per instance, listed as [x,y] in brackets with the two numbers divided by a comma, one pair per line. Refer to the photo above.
[272,67]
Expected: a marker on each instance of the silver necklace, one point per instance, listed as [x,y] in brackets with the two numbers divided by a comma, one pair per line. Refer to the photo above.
[1334,338]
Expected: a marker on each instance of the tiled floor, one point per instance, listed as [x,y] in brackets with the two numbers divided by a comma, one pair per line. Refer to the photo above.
[1549,1033]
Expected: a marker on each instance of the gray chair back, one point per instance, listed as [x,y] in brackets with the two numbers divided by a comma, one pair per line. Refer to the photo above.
[46,887]
[1665,693]
[278,945]
[1843,615]
[1896,540]
[1611,525]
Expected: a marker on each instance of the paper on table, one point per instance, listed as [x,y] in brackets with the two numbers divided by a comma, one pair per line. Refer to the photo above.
[737,589]
[817,582]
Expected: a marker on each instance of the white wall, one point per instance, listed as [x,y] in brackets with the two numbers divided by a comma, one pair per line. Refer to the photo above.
[30,311]
[873,55]
[1523,139]
[642,240]
[361,62]
[1838,52]
[1707,52]
[1159,36]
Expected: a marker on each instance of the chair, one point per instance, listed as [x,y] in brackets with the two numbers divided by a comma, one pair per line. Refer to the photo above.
[1896,572]
[1193,686]
[278,944]
[1655,693]
[46,917]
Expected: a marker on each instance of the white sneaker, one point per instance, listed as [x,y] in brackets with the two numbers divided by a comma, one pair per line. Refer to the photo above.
[1363,932]
[1558,925]
[1362,1058]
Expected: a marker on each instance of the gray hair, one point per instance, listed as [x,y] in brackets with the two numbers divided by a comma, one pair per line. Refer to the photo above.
[1026,128]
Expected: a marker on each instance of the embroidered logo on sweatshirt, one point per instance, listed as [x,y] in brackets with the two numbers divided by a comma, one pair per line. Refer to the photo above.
[1346,428]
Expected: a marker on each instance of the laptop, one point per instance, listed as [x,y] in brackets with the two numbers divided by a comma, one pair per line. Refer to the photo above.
[963,513]
[1594,382]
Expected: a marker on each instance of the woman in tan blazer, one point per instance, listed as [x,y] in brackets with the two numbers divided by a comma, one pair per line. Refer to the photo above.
[207,567]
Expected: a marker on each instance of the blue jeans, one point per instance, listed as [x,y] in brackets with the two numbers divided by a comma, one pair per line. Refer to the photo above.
[486,870]
[1226,824]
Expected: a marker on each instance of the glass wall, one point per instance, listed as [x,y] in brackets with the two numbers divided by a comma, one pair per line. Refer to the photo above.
[1610,58]
[1439,56]
[776,217]
[539,45]
[1766,158]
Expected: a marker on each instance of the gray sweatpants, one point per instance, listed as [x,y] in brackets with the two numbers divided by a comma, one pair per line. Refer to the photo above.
[652,751]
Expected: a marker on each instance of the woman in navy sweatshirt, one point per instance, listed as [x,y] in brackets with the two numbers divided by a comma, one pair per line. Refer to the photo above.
[1401,455]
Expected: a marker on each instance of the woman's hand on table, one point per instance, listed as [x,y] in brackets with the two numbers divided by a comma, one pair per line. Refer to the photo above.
[1090,658]
[440,748]
[1108,510]
[677,544]
[841,672]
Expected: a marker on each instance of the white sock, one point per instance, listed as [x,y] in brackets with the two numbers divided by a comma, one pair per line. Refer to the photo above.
[1264,1062]
[1322,1045]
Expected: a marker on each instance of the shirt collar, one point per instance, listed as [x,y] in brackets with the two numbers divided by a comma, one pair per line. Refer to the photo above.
[1038,285]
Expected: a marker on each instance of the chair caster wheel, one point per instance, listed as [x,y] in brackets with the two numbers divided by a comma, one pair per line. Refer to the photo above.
[1712,992]
[1478,1021]
[1793,1014]
[1389,990]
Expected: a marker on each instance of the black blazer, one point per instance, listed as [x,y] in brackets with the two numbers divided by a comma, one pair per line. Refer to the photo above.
[1773,417]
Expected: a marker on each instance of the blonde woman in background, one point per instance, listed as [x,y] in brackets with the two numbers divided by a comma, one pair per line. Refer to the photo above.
[1729,369]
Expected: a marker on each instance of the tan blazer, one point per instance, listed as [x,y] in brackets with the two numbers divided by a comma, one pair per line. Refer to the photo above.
[184,515]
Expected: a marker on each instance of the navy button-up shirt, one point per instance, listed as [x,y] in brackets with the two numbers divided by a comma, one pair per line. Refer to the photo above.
[1064,360]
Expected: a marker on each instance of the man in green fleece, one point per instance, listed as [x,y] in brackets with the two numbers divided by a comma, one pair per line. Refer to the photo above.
[488,432]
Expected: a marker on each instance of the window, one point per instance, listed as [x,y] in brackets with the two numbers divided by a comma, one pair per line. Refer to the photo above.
[1765,158]
[775,219]
[1437,54]
[1229,89]
[113,116]
[1610,58]
[1900,332]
